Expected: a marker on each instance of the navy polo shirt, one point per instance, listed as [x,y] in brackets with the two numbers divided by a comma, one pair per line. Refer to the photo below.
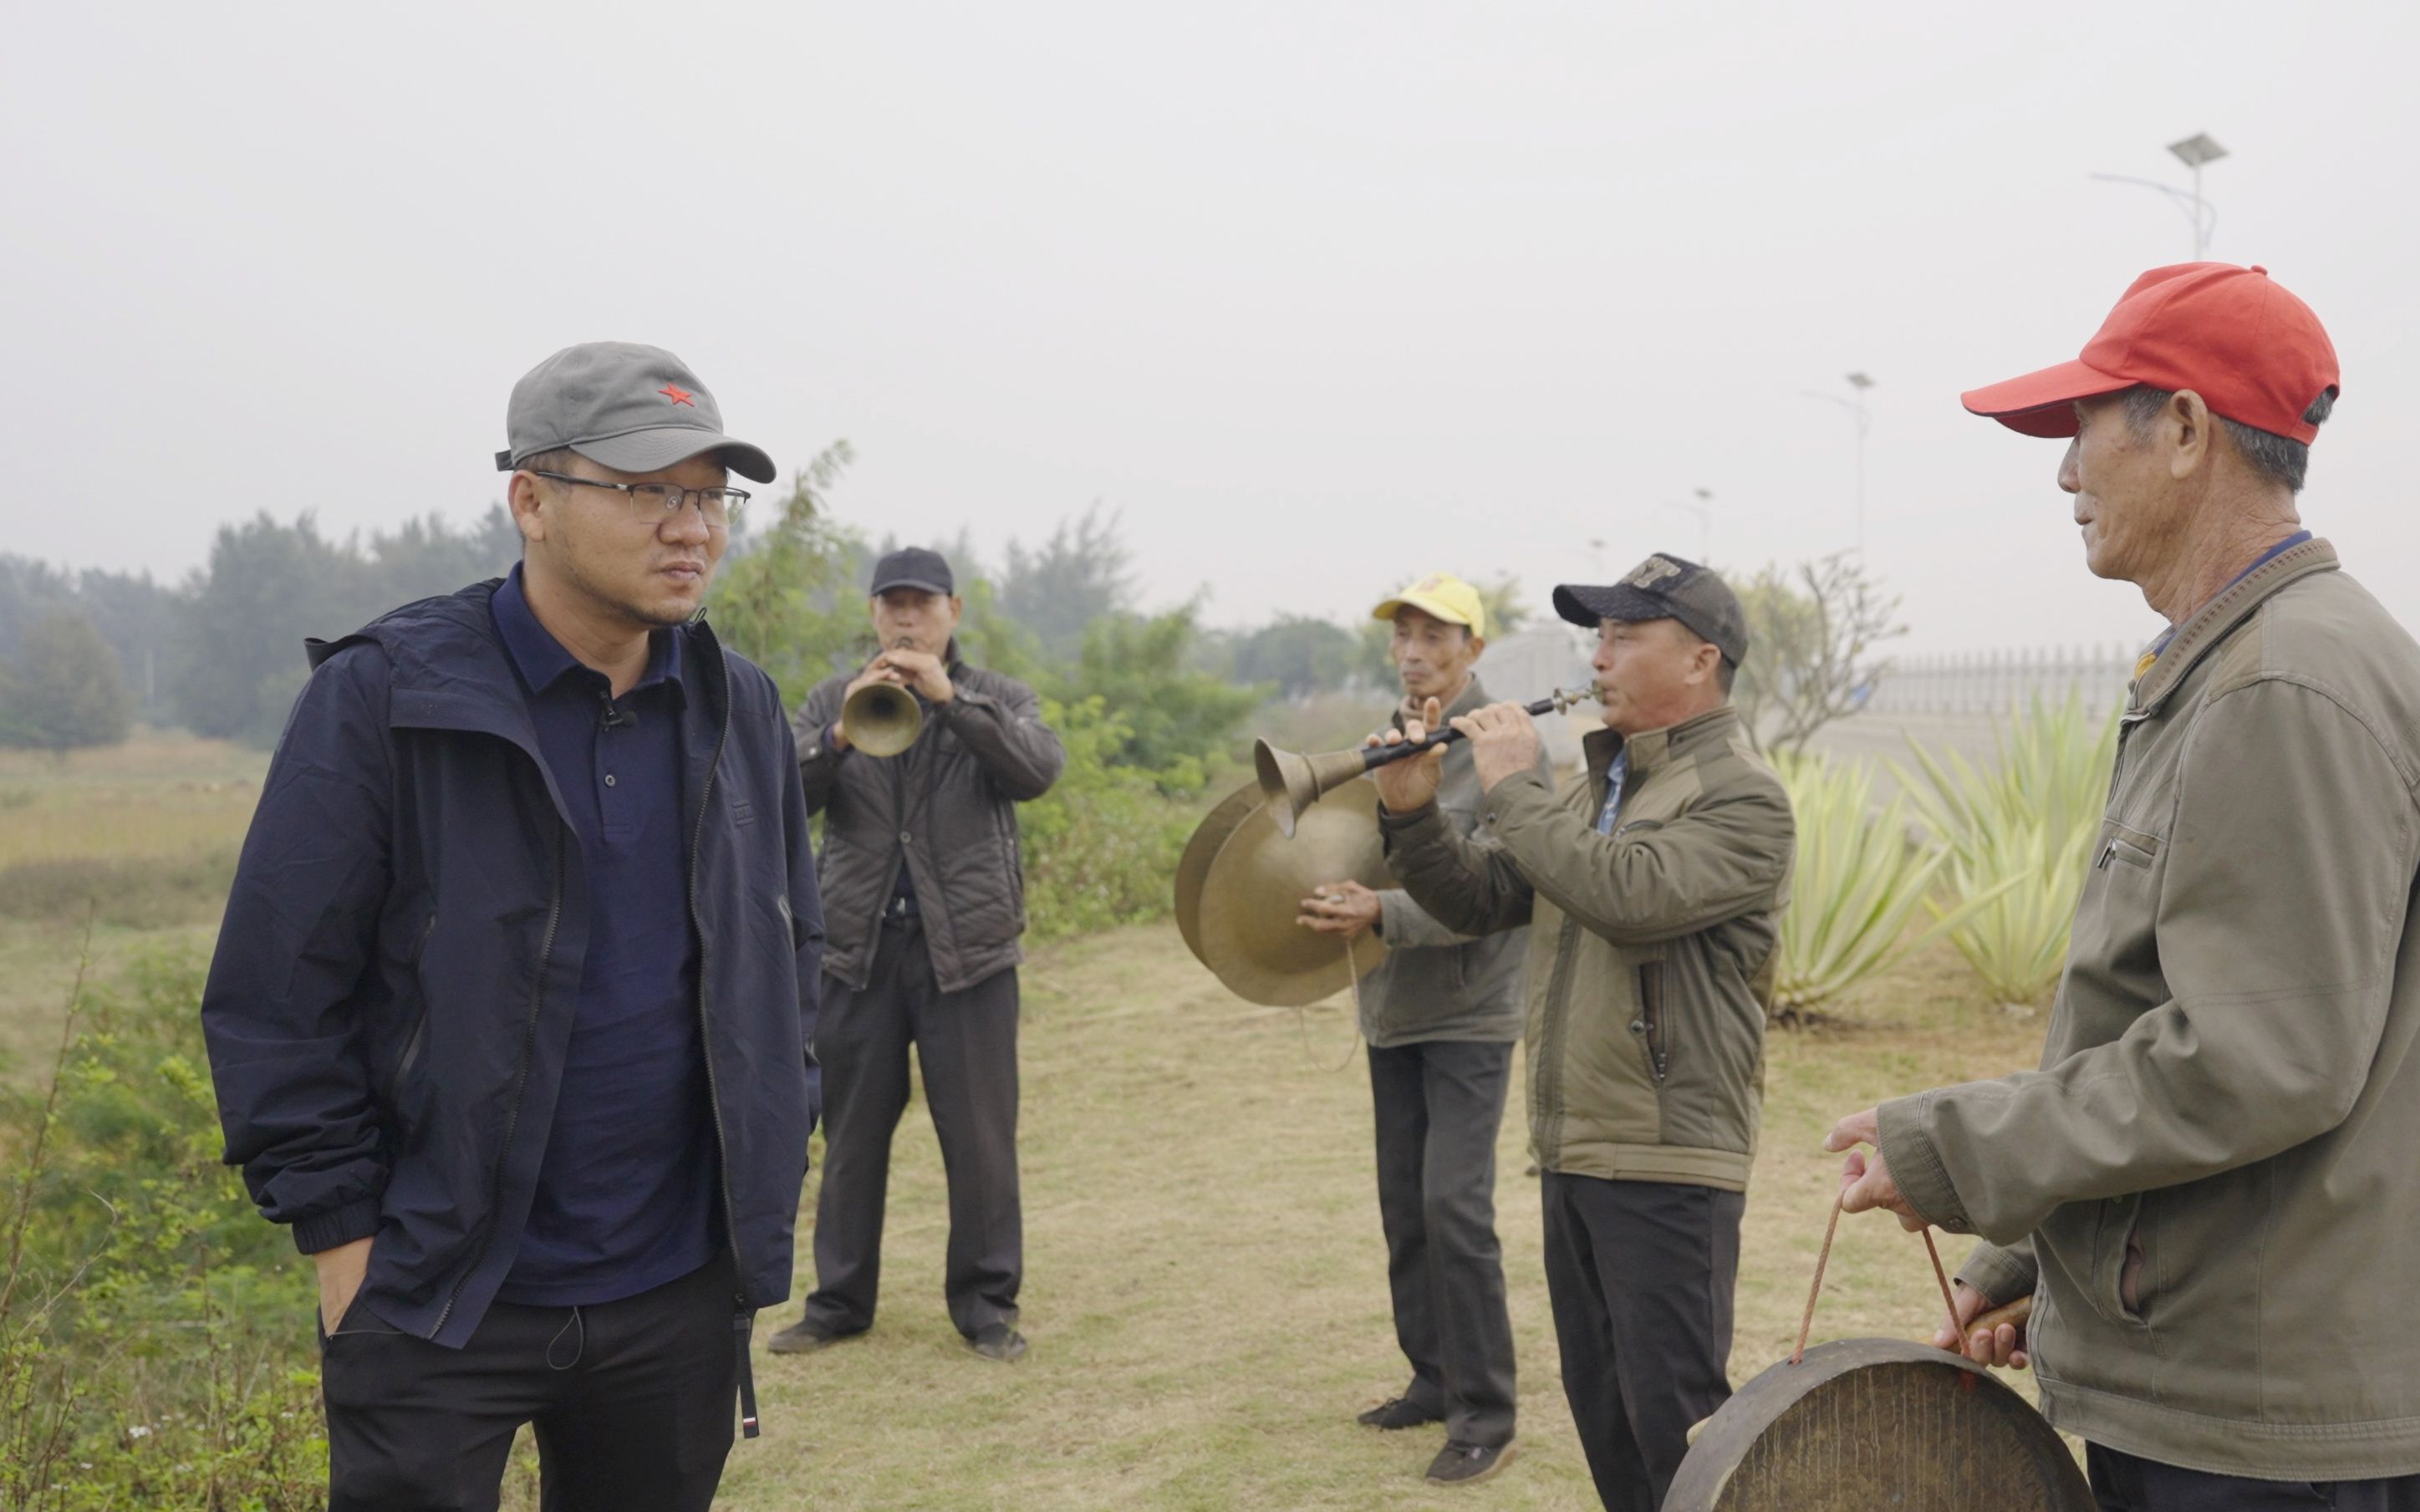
[626,1193]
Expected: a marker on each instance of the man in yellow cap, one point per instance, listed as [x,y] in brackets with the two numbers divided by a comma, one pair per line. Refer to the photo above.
[1441,1015]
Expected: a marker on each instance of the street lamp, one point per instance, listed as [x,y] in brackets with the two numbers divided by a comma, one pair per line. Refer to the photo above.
[2194,152]
[1705,522]
[1858,383]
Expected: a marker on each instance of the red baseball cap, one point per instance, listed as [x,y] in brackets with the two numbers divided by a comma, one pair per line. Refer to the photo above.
[2254,352]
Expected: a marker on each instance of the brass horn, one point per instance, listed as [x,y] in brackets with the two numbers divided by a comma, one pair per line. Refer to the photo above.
[1293,782]
[881,718]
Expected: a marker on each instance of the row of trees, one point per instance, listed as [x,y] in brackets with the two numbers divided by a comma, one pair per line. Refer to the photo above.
[84,654]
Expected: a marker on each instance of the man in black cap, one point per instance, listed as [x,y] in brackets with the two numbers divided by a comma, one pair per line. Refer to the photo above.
[1654,888]
[510,1011]
[924,888]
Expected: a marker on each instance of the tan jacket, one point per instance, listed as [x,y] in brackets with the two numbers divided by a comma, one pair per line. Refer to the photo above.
[2230,1095]
[1650,949]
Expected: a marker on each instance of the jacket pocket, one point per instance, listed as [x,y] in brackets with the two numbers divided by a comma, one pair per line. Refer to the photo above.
[415,1039]
[2123,843]
[2120,1260]
[1650,1025]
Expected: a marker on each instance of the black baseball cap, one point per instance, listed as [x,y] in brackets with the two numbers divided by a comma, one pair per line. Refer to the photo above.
[1664,587]
[912,567]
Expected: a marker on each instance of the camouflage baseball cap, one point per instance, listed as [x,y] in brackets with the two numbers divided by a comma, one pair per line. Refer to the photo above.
[1664,587]
[630,407]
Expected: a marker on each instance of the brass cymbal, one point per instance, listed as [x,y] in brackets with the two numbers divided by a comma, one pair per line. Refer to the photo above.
[1200,852]
[1252,891]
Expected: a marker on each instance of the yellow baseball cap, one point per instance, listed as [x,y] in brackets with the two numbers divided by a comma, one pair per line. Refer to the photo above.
[1441,595]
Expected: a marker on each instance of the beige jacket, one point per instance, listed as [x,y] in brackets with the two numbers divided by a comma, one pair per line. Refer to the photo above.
[2212,1185]
[1650,949]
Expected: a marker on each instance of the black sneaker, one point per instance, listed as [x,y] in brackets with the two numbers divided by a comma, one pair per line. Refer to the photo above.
[1398,1414]
[997,1341]
[806,1336]
[1467,1464]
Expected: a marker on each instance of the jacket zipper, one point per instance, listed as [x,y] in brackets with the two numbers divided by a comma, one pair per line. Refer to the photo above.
[520,1086]
[2126,723]
[419,1035]
[1550,1051]
[742,1314]
[1650,1025]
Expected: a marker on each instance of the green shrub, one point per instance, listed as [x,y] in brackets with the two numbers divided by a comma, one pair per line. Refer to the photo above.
[2017,833]
[1859,881]
[1101,846]
[155,1340]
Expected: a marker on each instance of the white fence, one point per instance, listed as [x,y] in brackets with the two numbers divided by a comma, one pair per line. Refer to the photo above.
[1998,682]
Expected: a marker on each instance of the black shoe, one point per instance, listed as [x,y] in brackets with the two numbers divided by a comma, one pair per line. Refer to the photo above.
[1467,1464]
[1398,1414]
[806,1336]
[997,1341]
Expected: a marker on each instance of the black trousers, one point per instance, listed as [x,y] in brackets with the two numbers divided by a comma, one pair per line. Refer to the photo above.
[2123,1483]
[1641,1275]
[966,1041]
[633,1403]
[1438,1106]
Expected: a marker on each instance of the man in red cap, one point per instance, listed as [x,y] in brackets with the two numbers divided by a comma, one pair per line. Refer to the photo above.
[2207,1188]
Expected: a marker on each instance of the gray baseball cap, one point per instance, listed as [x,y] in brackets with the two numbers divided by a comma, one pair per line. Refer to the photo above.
[630,407]
[1664,587]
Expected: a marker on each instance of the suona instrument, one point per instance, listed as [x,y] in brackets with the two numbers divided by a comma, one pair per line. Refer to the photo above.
[1293,782]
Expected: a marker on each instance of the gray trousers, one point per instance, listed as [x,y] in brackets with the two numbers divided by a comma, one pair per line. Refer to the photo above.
[1438,1106]
[1641,1275]
[965,1043]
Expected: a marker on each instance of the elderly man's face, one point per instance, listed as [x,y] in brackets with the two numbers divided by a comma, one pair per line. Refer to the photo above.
[2129,503]
[1433,658]
[912,619]
[1651,675]
[647,567]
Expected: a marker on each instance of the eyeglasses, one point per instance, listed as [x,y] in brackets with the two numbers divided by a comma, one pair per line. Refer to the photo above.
[652,503]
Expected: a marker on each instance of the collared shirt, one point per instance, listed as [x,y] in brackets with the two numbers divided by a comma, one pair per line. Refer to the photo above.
[2160,642]
[1615,776]
[626,1190]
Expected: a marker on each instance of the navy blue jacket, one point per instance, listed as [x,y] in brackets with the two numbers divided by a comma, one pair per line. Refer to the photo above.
[391,1000]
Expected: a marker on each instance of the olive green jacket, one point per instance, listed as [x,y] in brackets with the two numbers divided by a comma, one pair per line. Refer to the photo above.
[1650,949]
[1436,983]
[2212,1185]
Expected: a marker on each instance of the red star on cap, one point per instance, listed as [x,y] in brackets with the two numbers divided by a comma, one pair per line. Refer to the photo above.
[679,395]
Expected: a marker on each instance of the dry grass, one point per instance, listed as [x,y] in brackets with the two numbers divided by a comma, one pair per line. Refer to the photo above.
[154,796]
[142,836]
[1207,1290]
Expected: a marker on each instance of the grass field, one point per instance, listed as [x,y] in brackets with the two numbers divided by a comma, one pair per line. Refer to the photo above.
[1207,1290]
[141,838]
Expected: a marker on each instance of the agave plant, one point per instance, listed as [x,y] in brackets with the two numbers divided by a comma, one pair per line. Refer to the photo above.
[2017,834]
[1859,880]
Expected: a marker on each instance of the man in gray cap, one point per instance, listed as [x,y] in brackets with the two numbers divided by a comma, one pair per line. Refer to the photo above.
[511,1011]
[922,863]
[1654,888]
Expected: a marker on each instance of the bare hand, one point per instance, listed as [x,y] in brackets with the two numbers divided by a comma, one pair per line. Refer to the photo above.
[918,670]
[2004,1346]
[1503,742]
[1411,783]
[341,1270]
[1864,1180]
[1345,909]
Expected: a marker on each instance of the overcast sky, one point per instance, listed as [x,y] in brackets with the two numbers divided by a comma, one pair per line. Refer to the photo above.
[1319,296]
